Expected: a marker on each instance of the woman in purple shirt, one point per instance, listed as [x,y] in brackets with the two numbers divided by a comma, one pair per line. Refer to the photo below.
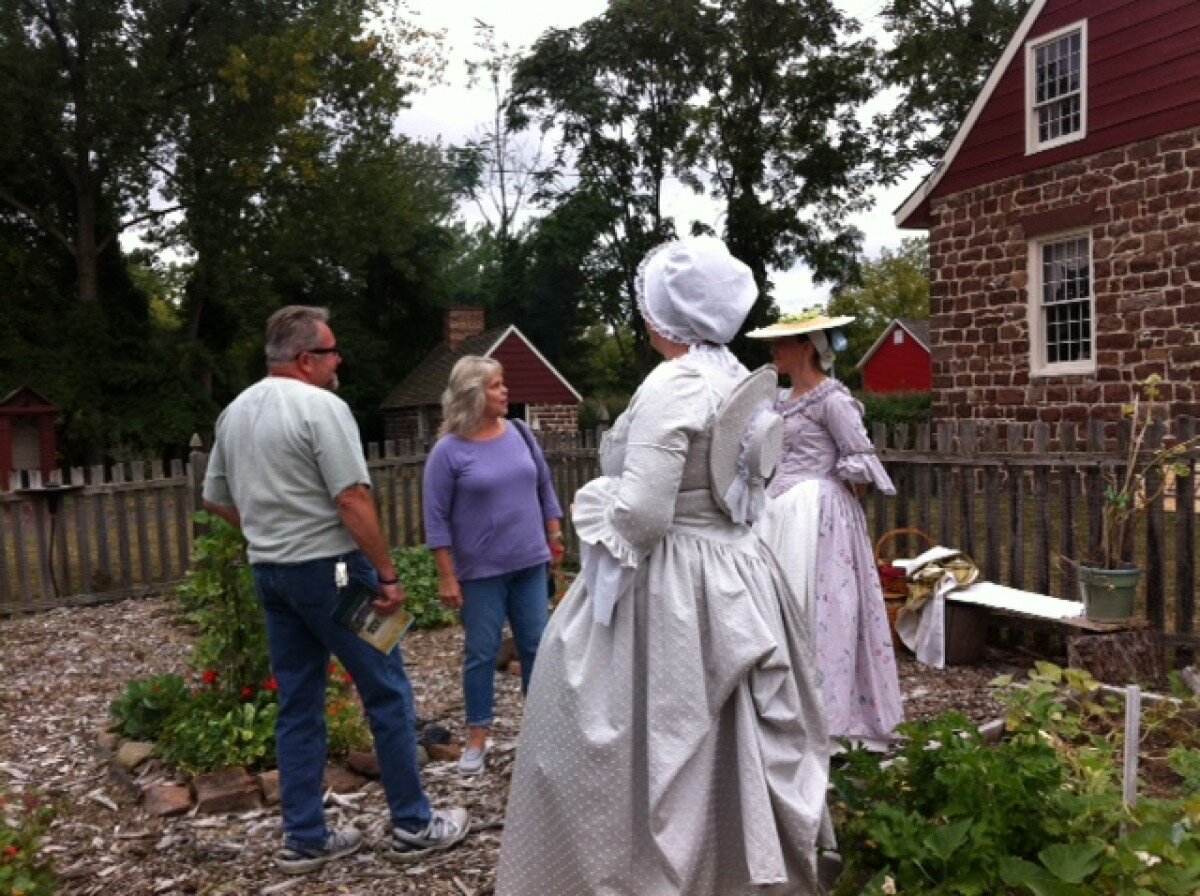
[493,522]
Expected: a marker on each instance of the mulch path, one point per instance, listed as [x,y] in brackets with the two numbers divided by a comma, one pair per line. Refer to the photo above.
[59,670]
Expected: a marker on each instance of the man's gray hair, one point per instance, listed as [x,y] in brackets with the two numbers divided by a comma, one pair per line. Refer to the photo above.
[292,330]
[464,398]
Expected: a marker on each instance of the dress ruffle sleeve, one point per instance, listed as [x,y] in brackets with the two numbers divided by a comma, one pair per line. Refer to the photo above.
[857,461]
[627,515]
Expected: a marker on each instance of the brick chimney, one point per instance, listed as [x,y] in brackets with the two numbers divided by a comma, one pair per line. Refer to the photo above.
[462,322]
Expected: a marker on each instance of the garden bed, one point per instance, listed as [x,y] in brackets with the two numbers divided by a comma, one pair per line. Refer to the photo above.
[61,669]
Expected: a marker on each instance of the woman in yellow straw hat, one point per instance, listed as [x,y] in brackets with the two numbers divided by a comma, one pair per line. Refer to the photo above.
[816,527]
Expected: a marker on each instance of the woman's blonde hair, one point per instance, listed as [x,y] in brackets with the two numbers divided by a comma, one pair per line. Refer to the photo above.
[463,400]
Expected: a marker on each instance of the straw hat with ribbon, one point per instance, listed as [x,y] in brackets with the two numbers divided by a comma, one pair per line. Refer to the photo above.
[821,329]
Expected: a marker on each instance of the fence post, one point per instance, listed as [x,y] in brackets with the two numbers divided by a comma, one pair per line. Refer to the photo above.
[1185,545]
[197,467]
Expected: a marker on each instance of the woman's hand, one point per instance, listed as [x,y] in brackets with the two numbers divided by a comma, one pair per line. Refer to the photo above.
[555,543]
[859,489]
[450,594]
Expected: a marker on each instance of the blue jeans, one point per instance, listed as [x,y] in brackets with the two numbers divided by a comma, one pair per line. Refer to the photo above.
[521,597]
[298,599]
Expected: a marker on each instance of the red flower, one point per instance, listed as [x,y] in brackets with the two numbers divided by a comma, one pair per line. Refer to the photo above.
[247,692]
[271,684]
[209,676]
[12,851]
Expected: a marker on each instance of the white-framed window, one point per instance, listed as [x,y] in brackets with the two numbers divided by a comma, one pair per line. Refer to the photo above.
[1056,88]
[898,337]
[1062,310]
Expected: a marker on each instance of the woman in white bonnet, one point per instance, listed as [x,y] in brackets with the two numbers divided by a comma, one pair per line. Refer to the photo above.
[673,741]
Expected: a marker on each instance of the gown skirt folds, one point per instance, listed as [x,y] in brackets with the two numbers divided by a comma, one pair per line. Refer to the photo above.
[818,531]
[680,749]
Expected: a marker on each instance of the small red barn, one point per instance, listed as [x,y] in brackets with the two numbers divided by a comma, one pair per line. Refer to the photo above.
[900,360]
[537,392]
[27,437]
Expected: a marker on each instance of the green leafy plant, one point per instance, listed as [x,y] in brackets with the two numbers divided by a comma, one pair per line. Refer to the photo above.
[24,819]
[217,730]
[218,599]
[1132,486]
[144,705]
[418,573]
[1039,813]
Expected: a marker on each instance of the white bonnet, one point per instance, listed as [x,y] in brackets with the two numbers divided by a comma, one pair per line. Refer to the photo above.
[692,290]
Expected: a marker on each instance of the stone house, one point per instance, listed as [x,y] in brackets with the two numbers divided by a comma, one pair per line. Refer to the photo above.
[1064,220]
[537,392]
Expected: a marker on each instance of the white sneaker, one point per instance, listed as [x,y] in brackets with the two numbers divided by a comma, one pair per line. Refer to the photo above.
[446,828]
[472,760]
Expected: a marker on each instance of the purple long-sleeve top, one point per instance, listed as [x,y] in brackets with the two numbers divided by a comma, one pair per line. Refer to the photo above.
[488,502]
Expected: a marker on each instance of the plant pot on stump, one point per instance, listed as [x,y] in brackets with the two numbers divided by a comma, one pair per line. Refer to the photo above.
[1108,594]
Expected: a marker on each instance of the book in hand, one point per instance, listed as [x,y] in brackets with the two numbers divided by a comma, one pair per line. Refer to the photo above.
[354,610]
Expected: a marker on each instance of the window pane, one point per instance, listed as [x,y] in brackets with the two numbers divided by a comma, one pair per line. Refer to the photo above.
[1066,300]
[1057,88]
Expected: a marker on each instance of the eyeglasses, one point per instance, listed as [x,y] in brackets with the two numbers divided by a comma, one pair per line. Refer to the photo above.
[332,350]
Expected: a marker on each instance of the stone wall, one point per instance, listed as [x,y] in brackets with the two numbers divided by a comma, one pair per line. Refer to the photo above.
[1141,204]
[556,418]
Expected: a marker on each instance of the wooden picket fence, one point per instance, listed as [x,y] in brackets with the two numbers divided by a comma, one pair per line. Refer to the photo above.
[1025,503]
[104,533]
[1016,501]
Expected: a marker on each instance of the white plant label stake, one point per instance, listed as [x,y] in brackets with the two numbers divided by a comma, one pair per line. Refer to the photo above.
[1133,734]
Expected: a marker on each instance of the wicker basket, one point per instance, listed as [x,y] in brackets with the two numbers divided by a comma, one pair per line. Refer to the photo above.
[893,579]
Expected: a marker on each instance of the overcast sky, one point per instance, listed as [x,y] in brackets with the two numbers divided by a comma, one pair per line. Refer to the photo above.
[453,112]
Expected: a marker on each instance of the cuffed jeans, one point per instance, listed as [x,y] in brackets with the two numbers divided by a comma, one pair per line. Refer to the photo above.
[298,599]
[521,597]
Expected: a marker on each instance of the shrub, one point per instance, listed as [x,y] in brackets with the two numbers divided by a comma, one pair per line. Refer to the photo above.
[24,818]
[217,730]
[418,573]
[218,598]
[908,408]
[1040,813]
[141,710]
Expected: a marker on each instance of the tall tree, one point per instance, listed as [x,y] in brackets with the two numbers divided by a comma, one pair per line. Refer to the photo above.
[893,285]
[208,128]
[757,102]
[618,89]
[784,144]
[507,165]
[942,52]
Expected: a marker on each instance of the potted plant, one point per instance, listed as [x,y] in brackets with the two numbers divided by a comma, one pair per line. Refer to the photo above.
[1108,581]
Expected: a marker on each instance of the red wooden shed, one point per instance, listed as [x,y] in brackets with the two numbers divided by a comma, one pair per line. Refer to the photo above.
[900,360]
[27,437]
[537,392]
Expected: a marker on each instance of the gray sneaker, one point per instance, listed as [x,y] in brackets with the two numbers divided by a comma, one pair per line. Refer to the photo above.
[472,760]
[302,859]
[446,828]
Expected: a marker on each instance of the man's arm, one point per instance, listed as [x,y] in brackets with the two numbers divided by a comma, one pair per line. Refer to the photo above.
[356,507]
[224,511]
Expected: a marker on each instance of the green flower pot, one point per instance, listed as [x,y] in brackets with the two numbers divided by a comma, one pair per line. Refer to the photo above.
[1108,594]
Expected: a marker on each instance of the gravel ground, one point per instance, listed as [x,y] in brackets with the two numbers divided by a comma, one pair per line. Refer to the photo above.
[59,670]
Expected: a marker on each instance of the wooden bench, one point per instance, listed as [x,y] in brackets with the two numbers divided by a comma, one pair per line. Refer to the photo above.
[970,609]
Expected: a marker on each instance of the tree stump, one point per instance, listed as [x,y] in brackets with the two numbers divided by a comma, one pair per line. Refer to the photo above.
[1120,658]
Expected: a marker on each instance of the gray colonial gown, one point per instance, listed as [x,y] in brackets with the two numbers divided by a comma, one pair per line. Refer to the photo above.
[680,748]
[817,529]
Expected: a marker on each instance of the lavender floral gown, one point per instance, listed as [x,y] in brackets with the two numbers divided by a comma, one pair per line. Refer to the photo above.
[818,531]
